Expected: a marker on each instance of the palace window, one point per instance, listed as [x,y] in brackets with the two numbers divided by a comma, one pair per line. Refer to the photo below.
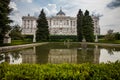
[31,23]
[54,22]
[71,23]
[67,22]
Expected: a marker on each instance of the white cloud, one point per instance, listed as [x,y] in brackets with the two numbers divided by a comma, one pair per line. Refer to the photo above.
[110,17]
[17,19]
[50,10]
[13,6]
[71,7]
[28,1]
[15,15]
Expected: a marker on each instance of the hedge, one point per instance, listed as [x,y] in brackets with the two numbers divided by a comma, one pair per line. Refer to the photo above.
[86,71]
[61,38]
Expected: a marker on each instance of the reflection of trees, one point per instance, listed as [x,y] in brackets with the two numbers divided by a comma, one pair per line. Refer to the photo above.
[42,53]
[7,57]
[90,55]
[10,55]
[111,50]
[85,55]
[16,54]
[1,57]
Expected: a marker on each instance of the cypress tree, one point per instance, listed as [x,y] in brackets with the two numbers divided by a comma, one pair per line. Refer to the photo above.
[88,27]
[79,25]
[42,33]
[4,19]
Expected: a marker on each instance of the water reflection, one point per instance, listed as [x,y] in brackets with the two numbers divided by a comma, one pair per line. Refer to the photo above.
[88,54]
[62,56]
[62,53]
[11,57]
[29,55]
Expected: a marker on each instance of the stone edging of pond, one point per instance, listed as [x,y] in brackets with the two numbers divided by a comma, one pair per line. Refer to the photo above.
[103,44]
[17,47]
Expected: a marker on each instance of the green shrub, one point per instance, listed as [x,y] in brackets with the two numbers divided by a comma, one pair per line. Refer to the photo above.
[62,38]
[28,37]
[86,71]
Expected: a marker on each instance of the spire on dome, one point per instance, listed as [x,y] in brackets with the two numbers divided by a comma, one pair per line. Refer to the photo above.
[60,12]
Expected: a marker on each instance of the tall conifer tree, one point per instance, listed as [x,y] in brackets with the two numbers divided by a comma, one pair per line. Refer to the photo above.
[4,19]
[88,28]
[79,25]
[42,33]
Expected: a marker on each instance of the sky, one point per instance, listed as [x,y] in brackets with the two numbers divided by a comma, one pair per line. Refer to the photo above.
[108,10]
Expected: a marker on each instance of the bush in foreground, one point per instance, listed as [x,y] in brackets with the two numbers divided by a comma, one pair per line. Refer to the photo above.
[109,71]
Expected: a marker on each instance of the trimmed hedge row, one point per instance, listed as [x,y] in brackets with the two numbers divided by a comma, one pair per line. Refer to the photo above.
[86,71]
[62,38]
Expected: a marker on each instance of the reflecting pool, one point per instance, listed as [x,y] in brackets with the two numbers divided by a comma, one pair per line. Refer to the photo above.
[57,53]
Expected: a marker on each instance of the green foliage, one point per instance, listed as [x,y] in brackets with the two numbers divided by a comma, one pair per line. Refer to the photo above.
[85,27]
[20,42]
[62,38]
[88,29]
[109,41]
[80,25]
[28,37]
[117,36]
[101,36]
[110,37]
[16,33]
[42,33]
[86,71]
[4,19]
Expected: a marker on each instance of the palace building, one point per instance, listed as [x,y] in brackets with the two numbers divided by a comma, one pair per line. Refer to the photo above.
[60,24]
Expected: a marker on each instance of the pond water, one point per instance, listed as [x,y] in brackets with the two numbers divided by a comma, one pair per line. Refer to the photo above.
[57,53]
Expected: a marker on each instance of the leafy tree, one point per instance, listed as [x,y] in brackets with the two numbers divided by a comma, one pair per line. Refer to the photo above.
[112,36]
[4,19]
[16,33]
[42,33]
[79,25]
[117,36]
[88,28]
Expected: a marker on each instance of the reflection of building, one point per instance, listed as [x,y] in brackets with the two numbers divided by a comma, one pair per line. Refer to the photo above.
[58,25]
[74,56]
[62,56]
[96,54]
[29,56]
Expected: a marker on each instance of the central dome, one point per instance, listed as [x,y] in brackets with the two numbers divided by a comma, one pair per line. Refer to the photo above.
[60,12]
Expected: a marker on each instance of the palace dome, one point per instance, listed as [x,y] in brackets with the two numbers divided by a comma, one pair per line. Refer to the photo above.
[60,12]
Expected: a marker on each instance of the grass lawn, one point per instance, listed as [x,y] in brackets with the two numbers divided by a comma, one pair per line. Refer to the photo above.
[105,41]
[17,42]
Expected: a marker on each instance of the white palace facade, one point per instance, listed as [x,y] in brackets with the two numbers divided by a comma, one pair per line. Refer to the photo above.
[58,25]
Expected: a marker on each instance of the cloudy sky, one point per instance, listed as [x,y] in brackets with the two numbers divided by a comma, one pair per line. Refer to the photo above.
[109,9]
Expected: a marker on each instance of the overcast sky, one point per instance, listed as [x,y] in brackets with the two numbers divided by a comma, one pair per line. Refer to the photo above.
[109,9]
